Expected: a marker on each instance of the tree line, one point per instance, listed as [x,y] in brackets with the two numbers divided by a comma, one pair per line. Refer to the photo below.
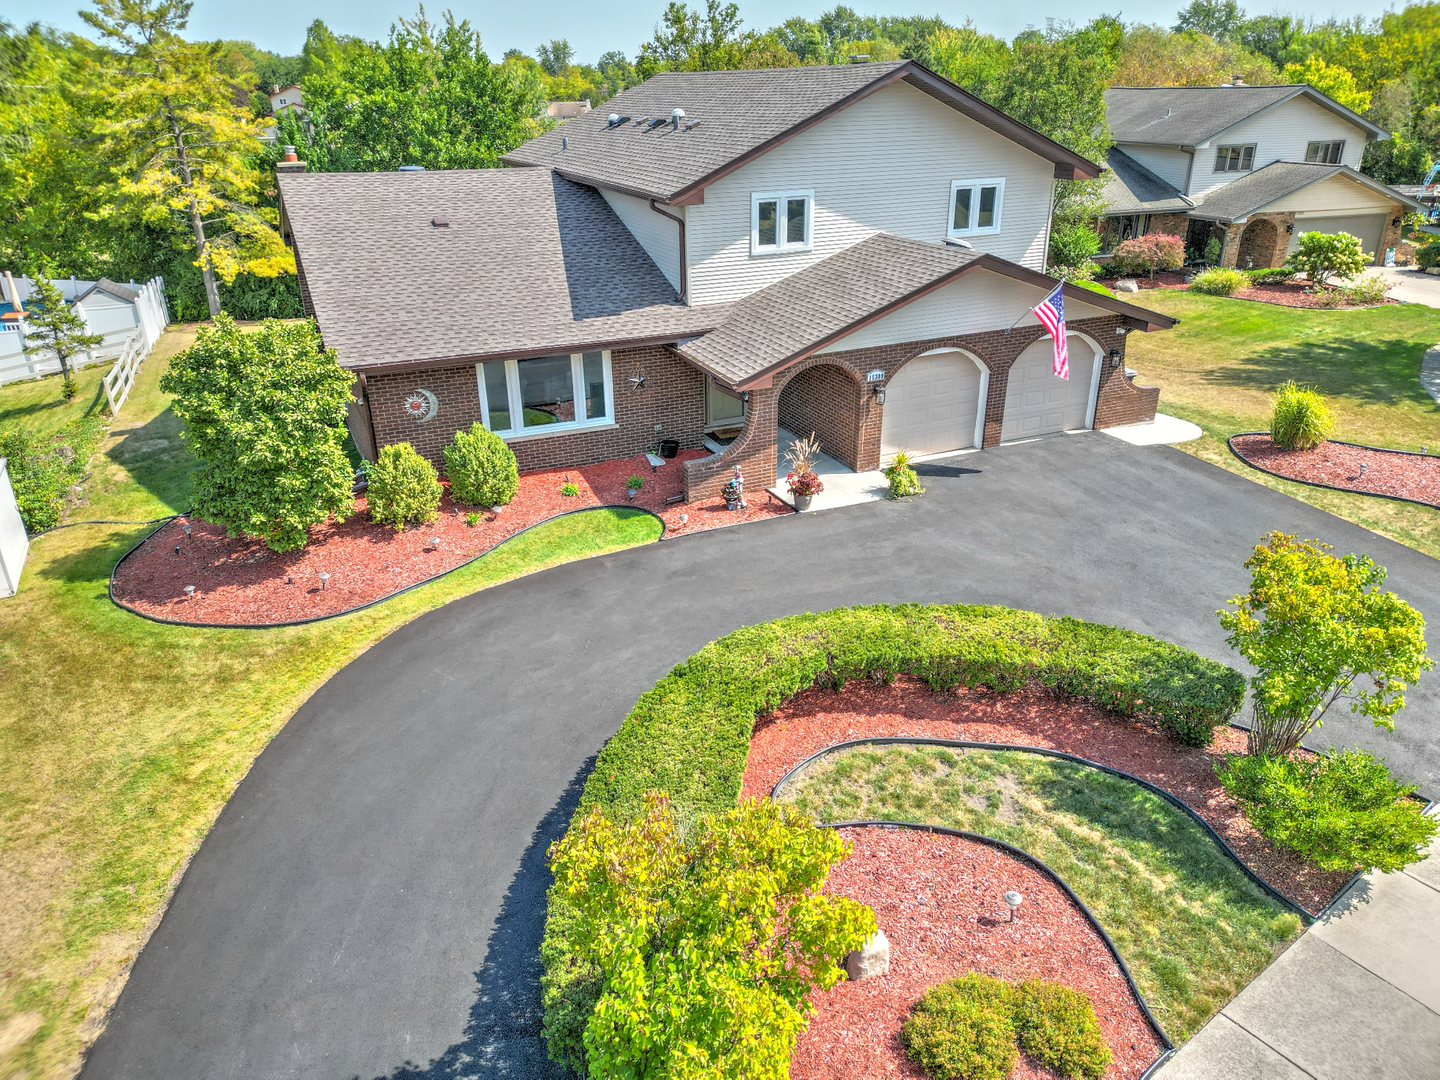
[135,150]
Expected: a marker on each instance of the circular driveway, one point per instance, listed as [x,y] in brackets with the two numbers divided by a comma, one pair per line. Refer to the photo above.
[370,901]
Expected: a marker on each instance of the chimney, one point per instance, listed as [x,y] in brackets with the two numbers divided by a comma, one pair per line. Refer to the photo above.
[290,163]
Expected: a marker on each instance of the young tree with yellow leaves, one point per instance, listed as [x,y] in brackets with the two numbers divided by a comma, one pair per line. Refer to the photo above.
[180,140]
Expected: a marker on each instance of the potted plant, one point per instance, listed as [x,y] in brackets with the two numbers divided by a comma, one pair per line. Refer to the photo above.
[803,488]
[734,491]
[801,481]
[634,484]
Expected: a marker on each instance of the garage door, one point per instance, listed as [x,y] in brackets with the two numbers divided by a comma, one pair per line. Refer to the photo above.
[930,406]
[1038,403]
[1368,227]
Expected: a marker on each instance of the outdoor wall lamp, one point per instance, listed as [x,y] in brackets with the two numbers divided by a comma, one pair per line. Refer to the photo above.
[1114,357]
[879,392]
[1395,223]
[1290,229]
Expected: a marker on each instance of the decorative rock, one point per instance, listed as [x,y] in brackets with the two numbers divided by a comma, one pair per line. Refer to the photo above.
[872,959]
[1126,284]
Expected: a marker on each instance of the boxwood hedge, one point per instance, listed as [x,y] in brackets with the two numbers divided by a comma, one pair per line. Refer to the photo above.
[689,735]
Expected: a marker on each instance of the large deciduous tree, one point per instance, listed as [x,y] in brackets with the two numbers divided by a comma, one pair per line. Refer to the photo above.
[712,40]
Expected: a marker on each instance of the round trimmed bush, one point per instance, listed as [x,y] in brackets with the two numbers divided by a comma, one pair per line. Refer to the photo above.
[481,468]
[1057,1027]
[1219,281]
[404,487]
[961,1030]
[1299,418]
[1428,257]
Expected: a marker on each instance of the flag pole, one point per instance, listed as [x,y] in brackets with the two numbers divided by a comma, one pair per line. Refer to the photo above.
[1051,293]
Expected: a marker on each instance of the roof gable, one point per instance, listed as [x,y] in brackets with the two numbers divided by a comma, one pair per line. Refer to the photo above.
[1189,115]
[732,117]
[1264,187]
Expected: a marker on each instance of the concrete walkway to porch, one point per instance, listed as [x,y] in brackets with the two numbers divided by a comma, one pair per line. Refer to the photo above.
[843,485]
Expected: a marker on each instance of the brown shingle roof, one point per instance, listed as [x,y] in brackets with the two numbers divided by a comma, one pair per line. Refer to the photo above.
[1187,115]
[736,116]
[1130,188]
[529,263]
[1243,197]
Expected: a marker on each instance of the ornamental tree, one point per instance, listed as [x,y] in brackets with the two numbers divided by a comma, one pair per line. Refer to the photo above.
[1322,256]
[709,939]
[53,327]
[264,412]
[1151,252]
[1319,628]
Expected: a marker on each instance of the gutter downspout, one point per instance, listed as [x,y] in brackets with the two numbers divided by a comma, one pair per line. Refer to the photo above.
[679,295]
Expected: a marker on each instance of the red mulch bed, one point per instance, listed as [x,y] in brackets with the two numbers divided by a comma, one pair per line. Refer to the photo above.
[1297,294]
[241,582]
[1403,476]
[816,718]
[938,899]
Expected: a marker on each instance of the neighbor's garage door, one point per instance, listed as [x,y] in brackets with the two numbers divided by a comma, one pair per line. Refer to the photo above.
[930,406]
[1037,402]
[1368,227]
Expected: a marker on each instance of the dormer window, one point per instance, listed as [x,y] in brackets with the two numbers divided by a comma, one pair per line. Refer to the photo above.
[1325,153]
[781,221]
[1235,158]
[975,206]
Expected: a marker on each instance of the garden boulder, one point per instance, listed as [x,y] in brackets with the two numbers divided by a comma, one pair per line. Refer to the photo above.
[873,958]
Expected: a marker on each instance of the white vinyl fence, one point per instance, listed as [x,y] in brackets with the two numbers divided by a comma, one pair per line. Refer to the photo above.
[128,328]
[14,544]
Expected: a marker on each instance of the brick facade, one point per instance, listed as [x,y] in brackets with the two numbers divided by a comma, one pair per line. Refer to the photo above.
[827,400]
[1391,238]
[1261,242]
[1170,224]
[673,401]
[1118,401]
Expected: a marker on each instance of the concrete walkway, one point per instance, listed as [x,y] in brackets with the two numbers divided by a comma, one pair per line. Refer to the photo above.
[1357,995]
[1164,430]
[843,485]
[1410,285]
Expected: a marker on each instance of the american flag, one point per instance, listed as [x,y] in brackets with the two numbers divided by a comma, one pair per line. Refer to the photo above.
[1051,312]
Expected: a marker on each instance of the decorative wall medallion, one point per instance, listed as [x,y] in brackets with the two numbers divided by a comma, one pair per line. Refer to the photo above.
[421,406]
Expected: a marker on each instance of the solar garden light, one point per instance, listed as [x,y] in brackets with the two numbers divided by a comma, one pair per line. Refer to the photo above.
[187,532]
[435,541]
[1013,900]
[189,592]
[324,577]
[684,518]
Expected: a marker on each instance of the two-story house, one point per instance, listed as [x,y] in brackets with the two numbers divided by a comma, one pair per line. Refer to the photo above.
[712,257]
[1255,166]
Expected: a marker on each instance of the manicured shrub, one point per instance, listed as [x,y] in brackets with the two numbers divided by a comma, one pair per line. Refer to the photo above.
[1321,256]
[1073,245]
[962,1030]
[904,480]
[1428,257]
[1299,418]
[1271,275]
[481,468]
[264,411]
[709,936]
[1220,281]
[1343,812]
[1057,1027]
[1370,289]
[404,487]
[689,735]
[1146,254]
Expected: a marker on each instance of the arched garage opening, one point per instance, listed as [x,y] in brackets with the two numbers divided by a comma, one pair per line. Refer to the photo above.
[825,400]
[1037,402]
[934,404]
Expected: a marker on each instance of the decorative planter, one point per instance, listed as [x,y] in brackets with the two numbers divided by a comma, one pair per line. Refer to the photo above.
[732,504]
[802,502]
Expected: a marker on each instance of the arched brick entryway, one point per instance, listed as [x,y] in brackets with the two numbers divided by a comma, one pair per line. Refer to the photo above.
[1258,245]
[825,399]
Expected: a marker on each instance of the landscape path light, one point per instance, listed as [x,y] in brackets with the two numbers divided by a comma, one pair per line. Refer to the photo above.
[324,577]
[189,592]
[1013,900]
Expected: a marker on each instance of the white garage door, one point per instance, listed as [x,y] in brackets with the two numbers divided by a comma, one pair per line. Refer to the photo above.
[1037,402]
[1368,227]
[930,406]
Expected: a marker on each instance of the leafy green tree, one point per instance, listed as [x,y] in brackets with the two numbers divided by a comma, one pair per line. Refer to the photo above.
[1281,39]
[1152,56]
[978,62]
[1321,256]
[555,56]
[690,40]
[1318,628]
[53,328]
[1056,83]
[710,938]
[1330,79]
[264,412]
[1219,19]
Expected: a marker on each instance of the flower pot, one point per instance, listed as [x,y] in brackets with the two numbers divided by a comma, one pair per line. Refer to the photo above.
[732,504]
[802,502]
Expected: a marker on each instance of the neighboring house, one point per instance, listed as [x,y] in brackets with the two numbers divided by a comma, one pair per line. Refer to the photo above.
[567,110]
[1254,165]
[841,250]
[286,99]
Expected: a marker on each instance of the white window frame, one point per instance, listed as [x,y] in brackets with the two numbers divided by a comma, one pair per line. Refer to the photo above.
[1327,143]
[781,246]
[517,410]
[1240,165]
[998,183]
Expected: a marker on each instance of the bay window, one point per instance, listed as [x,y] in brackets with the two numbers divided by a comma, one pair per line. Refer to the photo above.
[546,394]
[975,206]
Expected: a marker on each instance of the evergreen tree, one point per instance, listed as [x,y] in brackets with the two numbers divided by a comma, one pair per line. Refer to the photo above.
[52,326]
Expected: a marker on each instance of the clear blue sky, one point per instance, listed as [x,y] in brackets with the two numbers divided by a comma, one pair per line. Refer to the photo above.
[279,25]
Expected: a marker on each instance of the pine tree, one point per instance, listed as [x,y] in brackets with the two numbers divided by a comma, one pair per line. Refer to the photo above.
[53,326]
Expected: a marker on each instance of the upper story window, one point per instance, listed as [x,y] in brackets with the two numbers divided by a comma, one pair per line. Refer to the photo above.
[781,221]
[1326,153]
[1235,158]
[975,206]
[546,394]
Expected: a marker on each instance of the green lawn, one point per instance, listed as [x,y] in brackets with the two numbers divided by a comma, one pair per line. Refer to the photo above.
[1191,926]
[121,739]
[36,404]
[1219,367]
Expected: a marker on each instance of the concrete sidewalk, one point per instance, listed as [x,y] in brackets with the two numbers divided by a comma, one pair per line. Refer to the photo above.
[1357,996]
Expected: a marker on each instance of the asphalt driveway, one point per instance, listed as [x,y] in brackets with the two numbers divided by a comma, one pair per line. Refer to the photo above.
[370,901]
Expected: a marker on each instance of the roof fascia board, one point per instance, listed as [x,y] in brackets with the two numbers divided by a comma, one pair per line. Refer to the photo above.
[437,362]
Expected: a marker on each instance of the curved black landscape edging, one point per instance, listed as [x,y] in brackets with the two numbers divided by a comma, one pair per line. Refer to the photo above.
[963,744]
[110,589]
[1044,868]
[1230,443]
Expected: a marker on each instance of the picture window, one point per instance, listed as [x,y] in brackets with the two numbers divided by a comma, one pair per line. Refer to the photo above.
[546,394]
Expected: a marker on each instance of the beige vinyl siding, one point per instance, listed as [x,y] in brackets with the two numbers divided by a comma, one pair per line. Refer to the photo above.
[1335,195]
[977,302]
[1279,134]
[659,236]
[1170,163]
[883,165]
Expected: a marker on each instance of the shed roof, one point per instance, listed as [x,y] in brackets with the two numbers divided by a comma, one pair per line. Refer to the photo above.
[528,263]
[1131,188]
[1241,198]
[732,117]
[115,289]
[1188,115]
[815,307]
